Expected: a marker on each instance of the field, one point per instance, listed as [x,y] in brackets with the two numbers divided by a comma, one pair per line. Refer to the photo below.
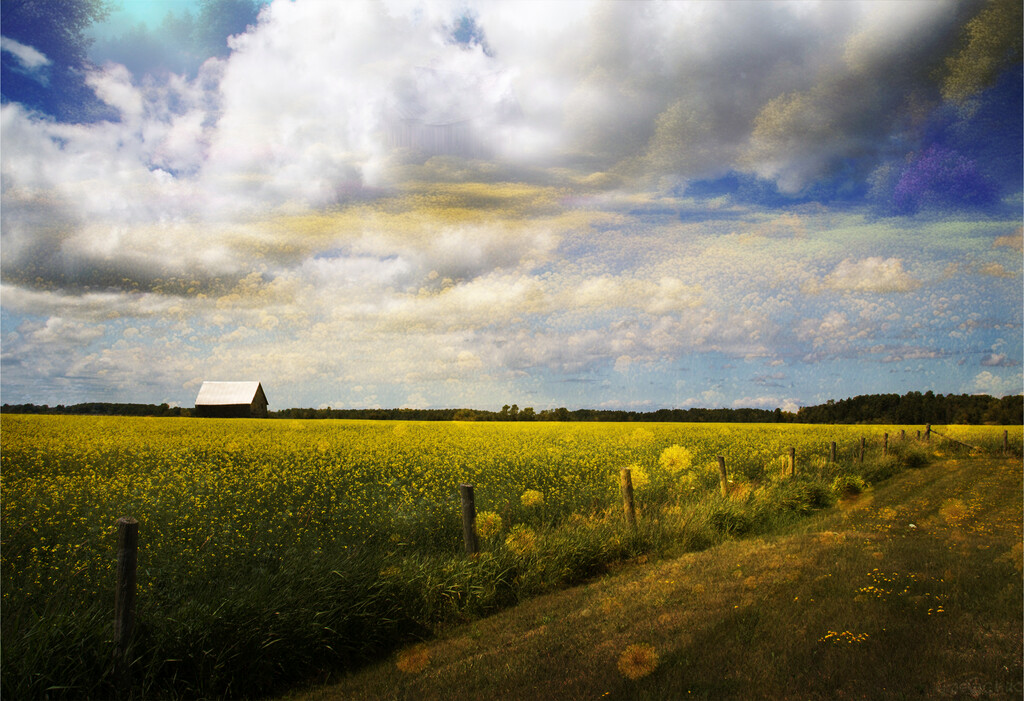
[911,590]
[274,552]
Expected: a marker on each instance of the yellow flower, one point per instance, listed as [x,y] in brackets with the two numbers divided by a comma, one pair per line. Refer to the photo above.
[488,524]
[638,661]
[521,540]
[531,497]
[413,660]
[676,459]
[638,476]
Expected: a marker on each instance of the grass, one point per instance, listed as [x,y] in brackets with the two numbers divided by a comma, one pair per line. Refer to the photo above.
[910,589]
[252,580]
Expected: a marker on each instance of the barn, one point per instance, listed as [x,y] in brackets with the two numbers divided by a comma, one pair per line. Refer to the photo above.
[231,400]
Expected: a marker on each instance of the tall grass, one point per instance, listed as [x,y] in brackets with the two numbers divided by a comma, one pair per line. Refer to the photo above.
[286,585]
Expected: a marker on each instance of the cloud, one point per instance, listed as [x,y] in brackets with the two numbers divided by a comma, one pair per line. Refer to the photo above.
[998,360]
[767,402]
[996,385]
[31,59]
[872,274]
[349,198]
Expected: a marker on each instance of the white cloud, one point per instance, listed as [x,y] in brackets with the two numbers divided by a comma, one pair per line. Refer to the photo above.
[996,385]
[994,360]
[872,274]
[30,58]
[767,402]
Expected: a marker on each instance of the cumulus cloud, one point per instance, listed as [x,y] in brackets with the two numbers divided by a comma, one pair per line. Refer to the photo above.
[997,385]
[354,198]
[998,360]
[872,274]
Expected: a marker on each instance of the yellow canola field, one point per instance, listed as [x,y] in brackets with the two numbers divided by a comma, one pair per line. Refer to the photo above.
[209,493]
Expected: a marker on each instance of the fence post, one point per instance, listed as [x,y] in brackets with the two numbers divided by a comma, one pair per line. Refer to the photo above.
[792,461]
[903,434]
[861,459]
[626,485]
[832,452]
[928,432]
[124,596]
[469,519]
[723,480]
[1006,442]
[885,444]
[918,434]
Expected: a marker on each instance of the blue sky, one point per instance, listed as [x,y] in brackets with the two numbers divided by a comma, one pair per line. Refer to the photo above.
[446,204]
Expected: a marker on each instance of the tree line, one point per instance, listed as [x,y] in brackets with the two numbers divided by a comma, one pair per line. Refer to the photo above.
[910,408]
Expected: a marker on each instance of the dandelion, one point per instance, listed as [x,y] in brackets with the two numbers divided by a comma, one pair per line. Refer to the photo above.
[531,498]
[638,661]
[521,540]
[488,524]
[413,660]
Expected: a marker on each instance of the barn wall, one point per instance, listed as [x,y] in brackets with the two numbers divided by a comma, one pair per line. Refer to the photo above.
[225,411]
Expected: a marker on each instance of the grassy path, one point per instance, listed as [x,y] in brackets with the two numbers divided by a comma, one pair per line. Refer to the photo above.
[912,590]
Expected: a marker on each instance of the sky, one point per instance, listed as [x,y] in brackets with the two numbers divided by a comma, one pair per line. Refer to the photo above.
[469,204]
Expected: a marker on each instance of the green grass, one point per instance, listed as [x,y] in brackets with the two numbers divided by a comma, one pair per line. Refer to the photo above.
[252,580]
[910,589]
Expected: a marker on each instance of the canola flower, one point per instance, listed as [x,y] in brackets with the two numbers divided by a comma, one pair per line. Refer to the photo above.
[531,498]
[676,459]
[638,476]
[488,524]
[840,637]
[521,540]
[217,499]
[638,661]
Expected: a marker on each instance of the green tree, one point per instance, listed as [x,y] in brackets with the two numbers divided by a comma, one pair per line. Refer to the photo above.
[220,19]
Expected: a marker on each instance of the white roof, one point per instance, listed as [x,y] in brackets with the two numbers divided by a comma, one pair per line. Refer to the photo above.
[217,393]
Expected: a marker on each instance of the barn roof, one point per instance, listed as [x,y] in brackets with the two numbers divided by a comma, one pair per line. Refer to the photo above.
[220,393]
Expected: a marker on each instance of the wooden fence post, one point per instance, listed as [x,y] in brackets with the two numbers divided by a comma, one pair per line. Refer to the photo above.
[885,444]
[626,485]
[723,479]
[861,458]
[1006,442]
[124,596]
[792,461]
[832,452]
[928,432]
[469,519]
[903,434]
[918,434]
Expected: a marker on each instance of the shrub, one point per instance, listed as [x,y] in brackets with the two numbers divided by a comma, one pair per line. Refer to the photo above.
[848,485]
[882,469]
[731,519]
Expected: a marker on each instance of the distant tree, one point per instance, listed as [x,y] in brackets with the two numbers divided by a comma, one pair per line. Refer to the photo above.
[220,19]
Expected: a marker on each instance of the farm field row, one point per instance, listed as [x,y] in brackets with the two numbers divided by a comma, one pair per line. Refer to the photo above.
[230,509]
